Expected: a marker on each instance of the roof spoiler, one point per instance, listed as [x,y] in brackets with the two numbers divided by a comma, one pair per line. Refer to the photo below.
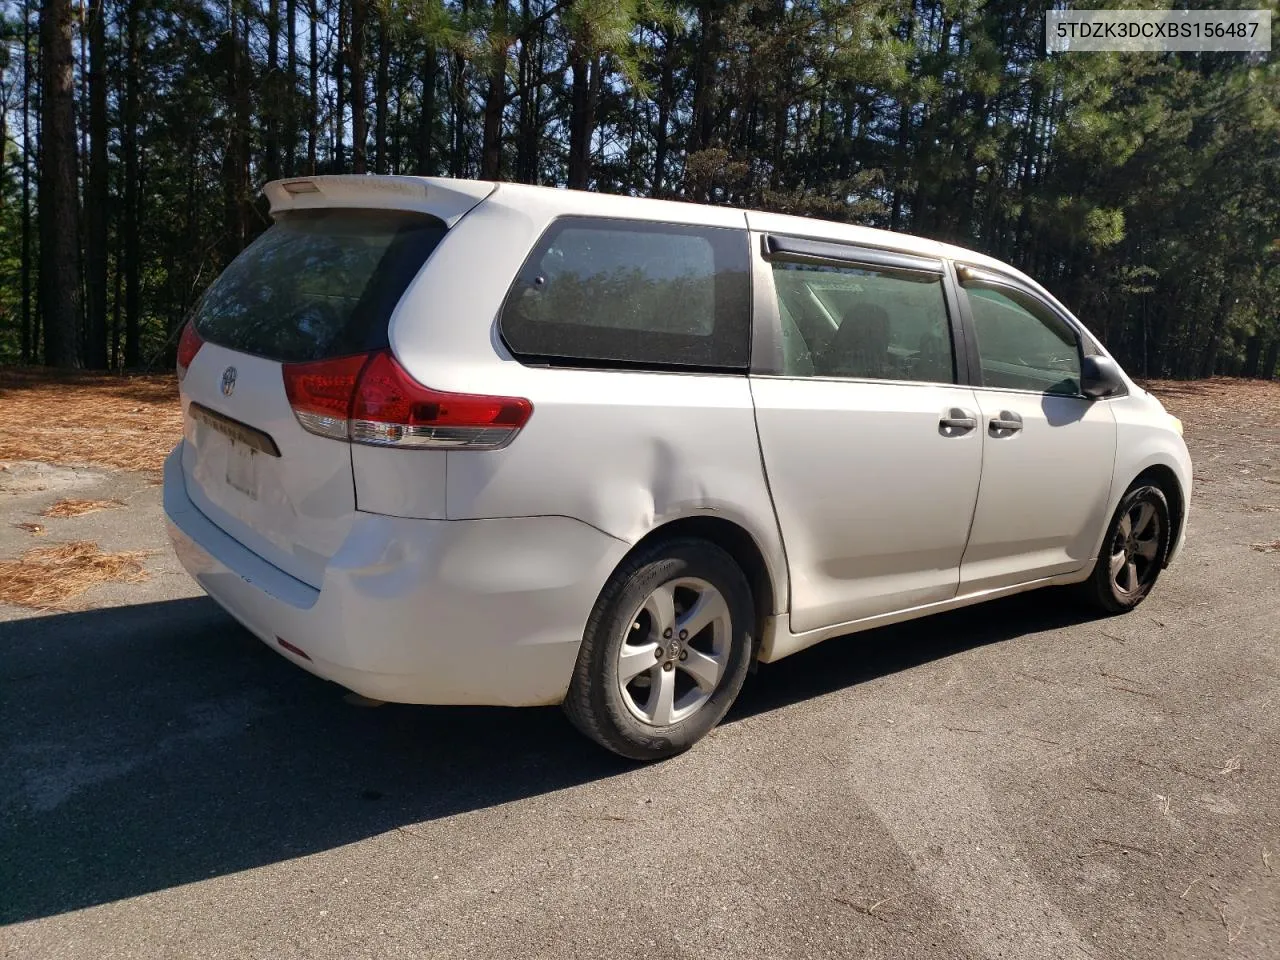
[439,196]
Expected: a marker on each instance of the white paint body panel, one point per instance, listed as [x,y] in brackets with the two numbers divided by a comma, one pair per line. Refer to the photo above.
[1045,489]
[302,503]
[416,611]
[460,576]
[1144,441]
[874,502]
[447,199]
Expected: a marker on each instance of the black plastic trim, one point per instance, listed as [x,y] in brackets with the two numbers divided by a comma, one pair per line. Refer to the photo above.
[796,248]
[766,321]
[237,431]
[966,339]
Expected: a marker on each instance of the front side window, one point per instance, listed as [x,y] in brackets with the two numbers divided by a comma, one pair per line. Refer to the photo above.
[1022,344]
[633,293]
[863,322]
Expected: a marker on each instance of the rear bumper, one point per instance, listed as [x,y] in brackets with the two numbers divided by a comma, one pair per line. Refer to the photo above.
[416,611]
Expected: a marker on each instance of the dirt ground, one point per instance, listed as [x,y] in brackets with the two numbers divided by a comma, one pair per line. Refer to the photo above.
[1013,780]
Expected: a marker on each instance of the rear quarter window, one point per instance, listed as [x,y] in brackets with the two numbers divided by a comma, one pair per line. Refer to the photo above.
[318,284]
[619,293]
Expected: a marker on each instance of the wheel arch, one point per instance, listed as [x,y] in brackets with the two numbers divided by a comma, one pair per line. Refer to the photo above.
[1162,476]
[735,540]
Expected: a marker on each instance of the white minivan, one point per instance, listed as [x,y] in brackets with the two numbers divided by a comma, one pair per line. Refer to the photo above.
[457,442]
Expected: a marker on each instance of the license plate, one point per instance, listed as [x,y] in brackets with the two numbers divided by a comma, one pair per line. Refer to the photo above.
[242,469]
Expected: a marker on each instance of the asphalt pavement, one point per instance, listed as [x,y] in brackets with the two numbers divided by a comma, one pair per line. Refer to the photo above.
[1014,780]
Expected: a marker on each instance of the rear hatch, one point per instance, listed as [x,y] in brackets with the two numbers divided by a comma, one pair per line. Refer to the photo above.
[319,285]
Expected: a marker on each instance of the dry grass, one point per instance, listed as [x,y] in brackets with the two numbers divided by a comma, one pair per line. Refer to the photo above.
[47,577]
[130,423]
[68,507]
[1220,401]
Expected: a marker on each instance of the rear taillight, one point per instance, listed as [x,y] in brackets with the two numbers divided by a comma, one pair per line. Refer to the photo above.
[372,399]
[321,393]
[189,345]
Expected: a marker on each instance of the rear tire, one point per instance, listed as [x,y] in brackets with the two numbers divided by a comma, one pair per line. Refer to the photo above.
[1133,552]
[665,652]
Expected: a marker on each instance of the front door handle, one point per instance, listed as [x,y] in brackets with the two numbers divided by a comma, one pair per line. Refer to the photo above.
[956,422]
[1006,424]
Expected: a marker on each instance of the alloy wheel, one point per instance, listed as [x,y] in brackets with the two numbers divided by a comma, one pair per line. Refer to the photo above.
[675,652]
[1136,548]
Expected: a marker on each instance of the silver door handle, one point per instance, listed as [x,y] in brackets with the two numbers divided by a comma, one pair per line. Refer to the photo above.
[1006,423]
[956,421]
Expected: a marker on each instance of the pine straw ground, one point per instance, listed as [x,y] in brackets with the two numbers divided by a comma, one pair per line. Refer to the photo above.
[74,419]
[47,577]
[1209,404]
[68,507]
[129,423]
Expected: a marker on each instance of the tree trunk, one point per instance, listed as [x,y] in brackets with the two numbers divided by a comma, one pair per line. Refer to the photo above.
[1252,356]
[495,95]
[58,197]
[132,218]
[117,303]
[1209,360]
[529,76]
[273,101]
[665,104]
[359,101]
[704,84]
[235,164]
[579,119]
[339,118]
[289,88]
[359,105]
[458,110]
[96,194]
[381,95]
[28,346]
[901,166]
[427,112]
[1269,363]
[396,143]
[313,90]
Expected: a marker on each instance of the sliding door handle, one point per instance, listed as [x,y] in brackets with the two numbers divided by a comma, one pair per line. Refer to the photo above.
[1006,424]
[957,421]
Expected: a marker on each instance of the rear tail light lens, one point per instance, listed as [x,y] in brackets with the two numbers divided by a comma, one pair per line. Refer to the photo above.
[373,400]
[189,345]
[321,393]
[392,408]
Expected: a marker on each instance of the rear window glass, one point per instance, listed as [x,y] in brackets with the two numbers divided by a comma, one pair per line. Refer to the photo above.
[632,293]
[318,284]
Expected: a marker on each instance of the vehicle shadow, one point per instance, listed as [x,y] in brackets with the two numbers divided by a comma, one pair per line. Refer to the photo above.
[149,746]
[847,661]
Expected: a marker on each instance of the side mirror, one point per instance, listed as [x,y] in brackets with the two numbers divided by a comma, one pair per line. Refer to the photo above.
[1100,378]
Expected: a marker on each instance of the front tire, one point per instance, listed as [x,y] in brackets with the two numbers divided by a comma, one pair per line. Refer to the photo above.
[665,652]
[1133,552]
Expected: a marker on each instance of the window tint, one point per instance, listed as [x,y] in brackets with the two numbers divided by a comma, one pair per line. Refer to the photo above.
[1022,344]
[865,322]
[613,292]
[317,284]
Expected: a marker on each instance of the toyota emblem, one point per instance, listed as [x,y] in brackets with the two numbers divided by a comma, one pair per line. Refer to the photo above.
[228,381]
